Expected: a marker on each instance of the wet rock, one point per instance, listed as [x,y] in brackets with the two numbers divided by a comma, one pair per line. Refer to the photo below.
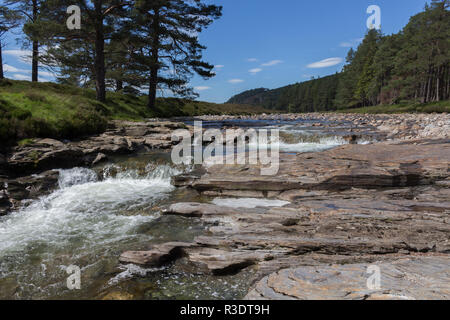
[99,158]
[355,204]
[3,165]
[36,159]
[122,137]
[158,256]
[197,210]
[48,143]
[157,143]
[220,262]
[5,204]
[421,278]
[32,187]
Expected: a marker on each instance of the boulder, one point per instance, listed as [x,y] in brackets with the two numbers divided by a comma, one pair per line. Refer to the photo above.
[157,256]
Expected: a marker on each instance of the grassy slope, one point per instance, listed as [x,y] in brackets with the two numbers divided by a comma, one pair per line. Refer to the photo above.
[52,110]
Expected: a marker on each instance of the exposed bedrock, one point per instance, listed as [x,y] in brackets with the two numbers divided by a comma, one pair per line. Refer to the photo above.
[353,205]
[403,279]
[380,165]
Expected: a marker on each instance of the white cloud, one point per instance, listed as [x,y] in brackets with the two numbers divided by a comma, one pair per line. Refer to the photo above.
[350,44]
[8,68]
[24,77]
[325,63]
[202,88]
[11,69]
[252,60]
[219,66]
[21,77]
[255,70]
[234,81]
[346,44]
[24,55]
[271,63]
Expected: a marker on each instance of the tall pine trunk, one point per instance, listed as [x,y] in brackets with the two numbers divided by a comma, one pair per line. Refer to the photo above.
[119,85]
[34,63]
[154,66]
[34,67]
[1,62]
[99,63]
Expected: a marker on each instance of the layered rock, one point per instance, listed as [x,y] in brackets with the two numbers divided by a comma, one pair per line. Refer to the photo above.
[381,165]
[417,278]
[353,205]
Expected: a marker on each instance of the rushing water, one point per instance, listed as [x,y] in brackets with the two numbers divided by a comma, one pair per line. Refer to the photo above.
[96,214]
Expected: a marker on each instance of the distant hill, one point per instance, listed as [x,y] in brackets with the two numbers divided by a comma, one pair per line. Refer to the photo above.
[309,96]
[411,67]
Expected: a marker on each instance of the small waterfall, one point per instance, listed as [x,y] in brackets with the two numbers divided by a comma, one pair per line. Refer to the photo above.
[85,216]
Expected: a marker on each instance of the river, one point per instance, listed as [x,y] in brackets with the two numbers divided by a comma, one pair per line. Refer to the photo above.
[95,214]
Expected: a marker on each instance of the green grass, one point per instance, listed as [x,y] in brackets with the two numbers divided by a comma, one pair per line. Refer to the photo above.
[29,110]
[438,107]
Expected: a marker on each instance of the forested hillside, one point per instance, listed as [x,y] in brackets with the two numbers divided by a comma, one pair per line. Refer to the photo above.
[410,66]
[309,96]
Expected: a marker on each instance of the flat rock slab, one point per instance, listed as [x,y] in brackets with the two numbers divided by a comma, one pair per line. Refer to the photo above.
[380,165]
[425,278]
[157,256]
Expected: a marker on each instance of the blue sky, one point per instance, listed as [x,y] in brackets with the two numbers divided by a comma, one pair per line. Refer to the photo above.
[268,43]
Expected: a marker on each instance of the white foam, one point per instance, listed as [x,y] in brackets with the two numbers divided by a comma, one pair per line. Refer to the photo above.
[248,202]
[324,143]
[92,213]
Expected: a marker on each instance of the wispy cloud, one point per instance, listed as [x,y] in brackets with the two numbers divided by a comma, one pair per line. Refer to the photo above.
[46,73]
[255,70]
[11,69]
[219,66]
[24,55]
[8,68]
[325,63]
[202,88]
[21,77]
[272,63]
[252,60]
[350,44]
[346,44]
[234,81]
[25,77]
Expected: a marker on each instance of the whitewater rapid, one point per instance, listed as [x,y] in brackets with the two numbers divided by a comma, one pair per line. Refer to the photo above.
[84,216]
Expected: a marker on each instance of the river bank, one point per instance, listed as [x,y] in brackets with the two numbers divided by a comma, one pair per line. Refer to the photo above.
[352,190]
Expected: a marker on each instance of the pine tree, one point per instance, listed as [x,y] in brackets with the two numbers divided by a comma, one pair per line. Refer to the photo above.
[168,51]
[347,83]
[30,10]
[9,19]
[81,53]
[422,64]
